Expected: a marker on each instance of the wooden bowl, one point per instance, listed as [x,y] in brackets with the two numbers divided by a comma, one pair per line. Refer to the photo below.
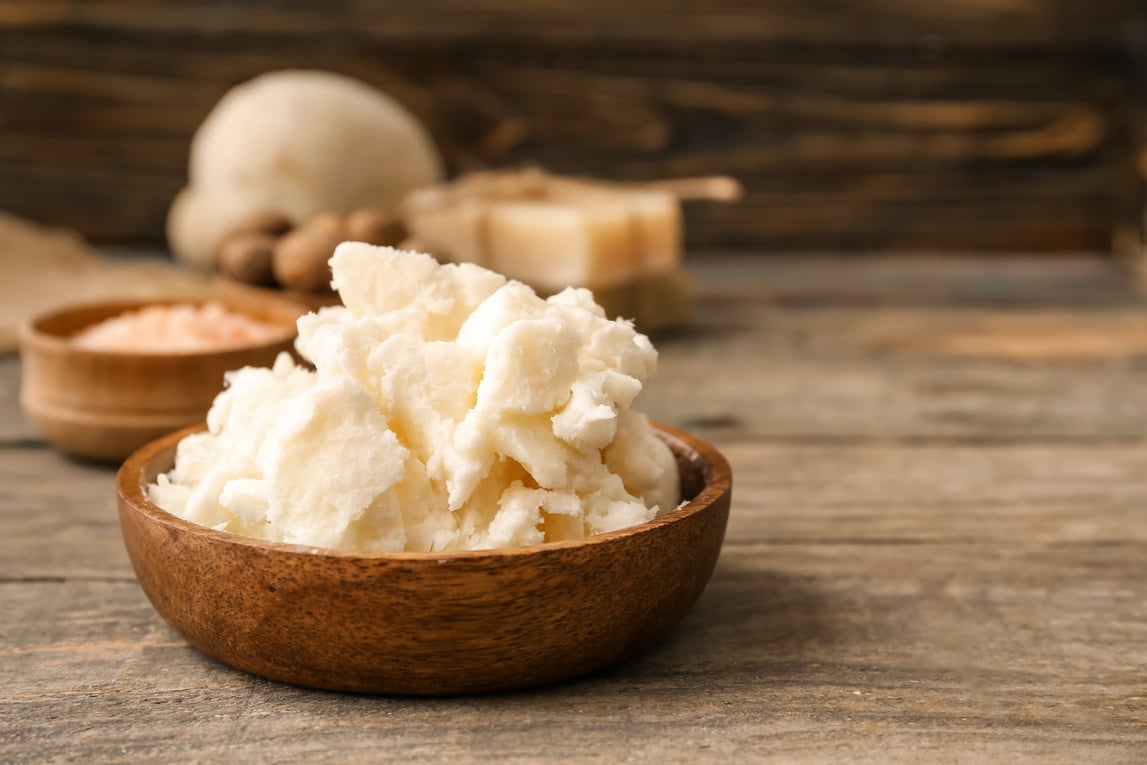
[103,405]
[426,623]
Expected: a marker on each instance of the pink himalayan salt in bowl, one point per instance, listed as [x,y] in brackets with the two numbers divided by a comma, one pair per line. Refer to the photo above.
[103,404]
[176,328]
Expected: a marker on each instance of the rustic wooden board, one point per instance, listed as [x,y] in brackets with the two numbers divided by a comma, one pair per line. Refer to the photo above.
[900,373]
[844,493]
[953,124]
[869,652]
[14,429]
[945,567]
[827,373]
[947,353]
[1013,281]
[57,518]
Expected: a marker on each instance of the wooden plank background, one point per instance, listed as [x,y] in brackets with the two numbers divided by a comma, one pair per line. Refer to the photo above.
[875,124]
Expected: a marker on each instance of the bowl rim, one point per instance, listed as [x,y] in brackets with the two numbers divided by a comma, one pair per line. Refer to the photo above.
[30,334]
[717,485]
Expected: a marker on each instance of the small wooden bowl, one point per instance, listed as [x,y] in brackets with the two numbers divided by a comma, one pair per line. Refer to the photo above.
[426,623]
[103,405]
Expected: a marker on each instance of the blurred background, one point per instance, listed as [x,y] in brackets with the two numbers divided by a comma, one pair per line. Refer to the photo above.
[949,125]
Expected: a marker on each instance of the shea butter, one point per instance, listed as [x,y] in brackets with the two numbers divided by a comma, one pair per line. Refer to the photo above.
[449,409]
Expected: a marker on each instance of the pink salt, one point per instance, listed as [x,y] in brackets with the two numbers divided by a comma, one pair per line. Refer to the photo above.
[174,329]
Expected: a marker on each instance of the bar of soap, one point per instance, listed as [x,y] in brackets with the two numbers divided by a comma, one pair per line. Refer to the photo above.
[654,218]
[449,409]
[551,246]
[553,232]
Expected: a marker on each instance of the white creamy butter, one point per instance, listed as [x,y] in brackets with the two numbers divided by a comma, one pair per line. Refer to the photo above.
[449,409]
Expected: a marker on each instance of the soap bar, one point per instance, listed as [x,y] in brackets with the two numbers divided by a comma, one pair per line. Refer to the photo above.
[553,232]
[654,215]
[550,245]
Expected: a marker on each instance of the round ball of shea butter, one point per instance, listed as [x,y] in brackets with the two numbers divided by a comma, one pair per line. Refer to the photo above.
[301,142]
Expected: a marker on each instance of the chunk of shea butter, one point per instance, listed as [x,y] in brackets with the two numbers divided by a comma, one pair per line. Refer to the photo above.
[449,409]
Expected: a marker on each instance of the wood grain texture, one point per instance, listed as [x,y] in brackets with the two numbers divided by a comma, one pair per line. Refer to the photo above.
[954,124]
[871,653]
[886,594]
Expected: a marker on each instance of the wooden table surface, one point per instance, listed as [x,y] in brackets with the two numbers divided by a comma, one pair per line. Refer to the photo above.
[937,552]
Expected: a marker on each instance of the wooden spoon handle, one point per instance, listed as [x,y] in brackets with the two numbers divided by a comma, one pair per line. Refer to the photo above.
[718,188]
